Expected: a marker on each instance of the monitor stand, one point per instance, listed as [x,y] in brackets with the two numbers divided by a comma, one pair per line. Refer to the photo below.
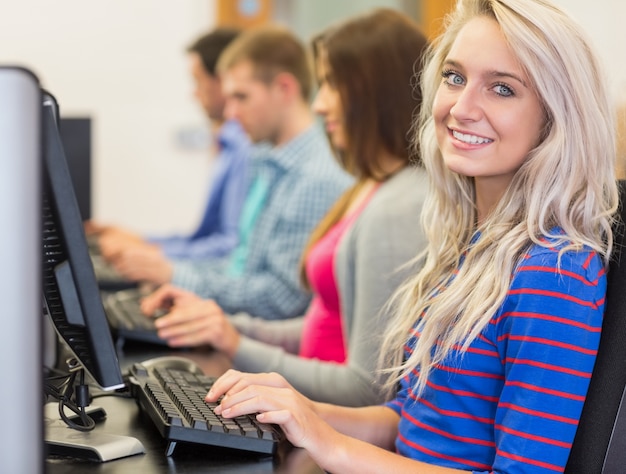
[101,447]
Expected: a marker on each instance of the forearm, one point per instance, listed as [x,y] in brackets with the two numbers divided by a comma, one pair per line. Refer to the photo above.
[363,442]
[329,382]
[283,333]
[345,455]
[196,275]
[377,425]
[212,246]
[264,294]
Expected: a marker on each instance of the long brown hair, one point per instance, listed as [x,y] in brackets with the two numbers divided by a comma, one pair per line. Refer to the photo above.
[375,60]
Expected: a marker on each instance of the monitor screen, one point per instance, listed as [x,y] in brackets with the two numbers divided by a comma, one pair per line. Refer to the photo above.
[71,295]
[76,139]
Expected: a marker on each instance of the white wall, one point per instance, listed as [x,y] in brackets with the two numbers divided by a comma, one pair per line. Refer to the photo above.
[123,63]
[604,22]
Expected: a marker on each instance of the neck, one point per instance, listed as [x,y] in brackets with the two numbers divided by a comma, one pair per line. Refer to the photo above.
[364,188]
[489,191]
[389,165]
[216,124]
[298,119]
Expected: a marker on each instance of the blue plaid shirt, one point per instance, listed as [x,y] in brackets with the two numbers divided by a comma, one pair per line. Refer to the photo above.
[217,232]
[303,180]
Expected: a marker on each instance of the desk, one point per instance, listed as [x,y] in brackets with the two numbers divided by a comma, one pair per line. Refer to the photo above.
[124,418]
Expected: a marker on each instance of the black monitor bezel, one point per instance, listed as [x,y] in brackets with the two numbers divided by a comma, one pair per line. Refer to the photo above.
[71,294]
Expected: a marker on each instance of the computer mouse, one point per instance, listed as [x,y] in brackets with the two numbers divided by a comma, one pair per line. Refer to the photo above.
[167,362]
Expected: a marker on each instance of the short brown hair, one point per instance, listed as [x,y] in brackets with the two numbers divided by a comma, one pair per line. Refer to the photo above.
[211,45]
[271,50]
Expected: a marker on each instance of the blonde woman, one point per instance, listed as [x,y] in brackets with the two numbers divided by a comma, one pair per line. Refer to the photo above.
[503,321]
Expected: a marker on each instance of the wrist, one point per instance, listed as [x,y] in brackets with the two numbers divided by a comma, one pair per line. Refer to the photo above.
[322,410]
[168,271]
[328,449]
[231,344]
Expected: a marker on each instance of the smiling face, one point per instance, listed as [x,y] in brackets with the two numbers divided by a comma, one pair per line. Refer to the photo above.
[328,105]
[486,114]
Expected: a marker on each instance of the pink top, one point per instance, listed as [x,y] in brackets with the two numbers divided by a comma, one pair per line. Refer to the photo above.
[322,333]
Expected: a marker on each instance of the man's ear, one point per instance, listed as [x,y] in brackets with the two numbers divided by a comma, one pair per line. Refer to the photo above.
[287,85]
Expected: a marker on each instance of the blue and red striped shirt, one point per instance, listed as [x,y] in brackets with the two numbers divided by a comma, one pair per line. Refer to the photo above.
[512,402]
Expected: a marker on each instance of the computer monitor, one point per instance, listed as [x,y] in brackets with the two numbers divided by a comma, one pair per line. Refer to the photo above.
[71,299]
[71,295]
[76,139]
[21,449]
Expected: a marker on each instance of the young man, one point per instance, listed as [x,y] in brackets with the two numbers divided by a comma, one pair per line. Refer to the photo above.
[217,232]
[267,81]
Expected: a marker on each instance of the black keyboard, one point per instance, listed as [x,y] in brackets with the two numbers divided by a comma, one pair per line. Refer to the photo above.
[123,311]
[108,278]
[174,399]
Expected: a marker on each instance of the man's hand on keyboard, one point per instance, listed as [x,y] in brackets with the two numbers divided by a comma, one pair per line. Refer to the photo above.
[113,240]
[145,263]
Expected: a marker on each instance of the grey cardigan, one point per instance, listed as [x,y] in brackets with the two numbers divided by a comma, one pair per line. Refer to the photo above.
[386,235]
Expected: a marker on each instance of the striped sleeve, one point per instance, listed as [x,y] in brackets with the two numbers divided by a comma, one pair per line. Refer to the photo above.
[511,402]
[547,335]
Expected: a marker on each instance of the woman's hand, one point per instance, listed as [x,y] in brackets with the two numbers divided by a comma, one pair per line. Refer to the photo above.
[338,439]
[191,321]
[276,402]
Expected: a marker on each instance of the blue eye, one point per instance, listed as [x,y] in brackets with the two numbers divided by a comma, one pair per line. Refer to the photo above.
[503,90]
[452,78]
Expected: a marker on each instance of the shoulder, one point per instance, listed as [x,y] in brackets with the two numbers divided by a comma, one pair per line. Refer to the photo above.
[567,284]
[555,293]
[312,162]
[321,173]
[408,187]
[391,222]
[232,135]
[555,263]
[308,146]
[399,201]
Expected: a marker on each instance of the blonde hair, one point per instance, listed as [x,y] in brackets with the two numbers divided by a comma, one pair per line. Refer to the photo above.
[567,181]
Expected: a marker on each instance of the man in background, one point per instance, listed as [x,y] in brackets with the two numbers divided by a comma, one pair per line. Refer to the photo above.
[217,232]
[267,81]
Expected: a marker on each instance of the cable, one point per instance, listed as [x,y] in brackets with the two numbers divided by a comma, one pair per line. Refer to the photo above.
[63,394]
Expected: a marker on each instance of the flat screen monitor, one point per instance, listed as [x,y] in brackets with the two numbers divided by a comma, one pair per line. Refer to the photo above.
[71,295]
[22,447]
[72,301]
[76,139]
